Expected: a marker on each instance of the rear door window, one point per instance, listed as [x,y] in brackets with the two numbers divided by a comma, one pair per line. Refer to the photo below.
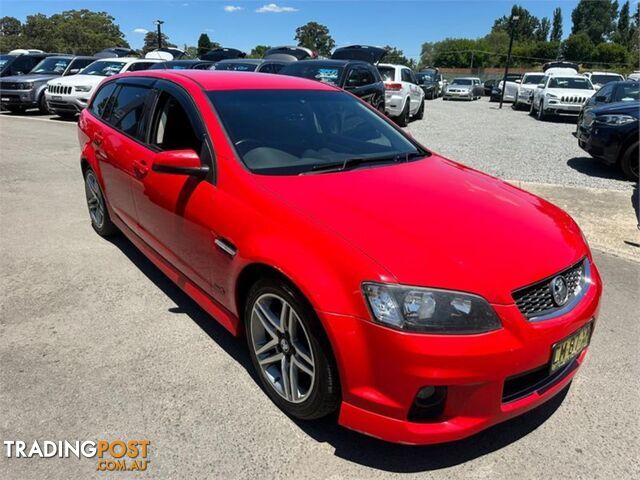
[128,109]
[406,76]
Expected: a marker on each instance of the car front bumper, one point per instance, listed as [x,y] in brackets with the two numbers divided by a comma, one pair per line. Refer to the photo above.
[558,107]
[18,98]
[466,95]
[601,142]
[382,370]
[66,103]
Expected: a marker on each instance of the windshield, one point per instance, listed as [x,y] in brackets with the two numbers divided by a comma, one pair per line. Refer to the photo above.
[104,68]
[462,81]
[627,92]
[52,65]
[424,77]
[285,132]
[237,67]
[4,59]
[604,79]
[532,79]
[578,83]
[315,71]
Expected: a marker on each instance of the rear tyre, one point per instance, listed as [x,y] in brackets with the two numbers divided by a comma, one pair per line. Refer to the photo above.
[629,162]
[420,113]
[98,213]
[403,119]
[290,351]
[42,105]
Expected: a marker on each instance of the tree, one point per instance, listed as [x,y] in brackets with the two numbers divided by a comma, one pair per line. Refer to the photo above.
[524,28]
[611,53]
[397,57]
[595,18]
[151,41]
[258,51]
[623,30]
[556,29]
[10,26]
[578,47]
[204,44]
[543,29]
[316,37]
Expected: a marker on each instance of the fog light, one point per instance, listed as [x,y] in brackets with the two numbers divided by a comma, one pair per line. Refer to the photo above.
[428,404]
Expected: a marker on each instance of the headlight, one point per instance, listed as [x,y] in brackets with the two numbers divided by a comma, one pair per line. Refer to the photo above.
[429,310]
[82,88]
[615,119]
[551,95]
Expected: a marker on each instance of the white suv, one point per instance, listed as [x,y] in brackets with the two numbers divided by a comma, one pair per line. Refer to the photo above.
[403,97]
[561,94]
[600,79]
[67,96]
[526,88]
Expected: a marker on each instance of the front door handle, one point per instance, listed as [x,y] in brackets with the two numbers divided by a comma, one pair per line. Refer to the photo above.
[140,168]
[98,138]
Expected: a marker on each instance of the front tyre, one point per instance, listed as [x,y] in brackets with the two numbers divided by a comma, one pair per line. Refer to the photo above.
[98,213]
[290,351]
[540,111]
[629,162]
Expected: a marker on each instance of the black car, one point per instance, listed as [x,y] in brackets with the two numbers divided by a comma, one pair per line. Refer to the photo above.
[609,132]
[17,63]
[351,68]
[114,52]
[272,64]
[222,53]
[488,86]
[20,92]
[430,80]
[623,91]
[182,65]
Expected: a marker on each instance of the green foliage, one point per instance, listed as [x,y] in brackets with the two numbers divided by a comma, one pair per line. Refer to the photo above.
[578,47]
[316,37]
[543,30]
[556,29]
[597,19]
[204,44]
[524,28]
[397,57]
[81,32]
[624,31]
[151,41]
[258,51]
[610,53]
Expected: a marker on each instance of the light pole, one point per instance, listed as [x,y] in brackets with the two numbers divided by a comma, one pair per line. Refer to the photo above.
[513,21]
[158,23]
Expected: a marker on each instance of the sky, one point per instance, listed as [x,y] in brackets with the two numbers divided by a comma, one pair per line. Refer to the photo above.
[241,24]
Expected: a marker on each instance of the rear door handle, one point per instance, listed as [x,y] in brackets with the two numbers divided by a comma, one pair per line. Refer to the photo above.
[98,138]
[140,168]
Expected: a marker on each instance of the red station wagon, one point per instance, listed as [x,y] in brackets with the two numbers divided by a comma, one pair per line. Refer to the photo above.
[422,299]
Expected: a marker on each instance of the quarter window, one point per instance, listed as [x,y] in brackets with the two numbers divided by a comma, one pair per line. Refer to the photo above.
[128,109]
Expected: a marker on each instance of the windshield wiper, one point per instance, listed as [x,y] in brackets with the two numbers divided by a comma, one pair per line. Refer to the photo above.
[350,163]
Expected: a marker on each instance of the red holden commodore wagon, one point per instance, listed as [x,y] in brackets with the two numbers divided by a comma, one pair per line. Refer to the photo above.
[422,299]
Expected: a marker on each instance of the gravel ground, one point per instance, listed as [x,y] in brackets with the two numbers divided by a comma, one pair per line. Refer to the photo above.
[512,145]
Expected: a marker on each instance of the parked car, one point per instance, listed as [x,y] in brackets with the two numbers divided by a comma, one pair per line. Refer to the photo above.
[222,53]
[166,53]
[560,94]
[560,67]
[20,62]
[69,95]
[20,92]
[513,80]
[624,91]
[294,52]
[353,275]
[526,88]
[113,52]
[600,79]
[182,65]
[404,99]
[634,76]
[466,88]
[431,82]
[609,132]
[357,76]
[488,86]
[237,64]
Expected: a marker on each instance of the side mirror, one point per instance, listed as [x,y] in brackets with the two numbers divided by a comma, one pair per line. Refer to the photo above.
[541,85]
[73,71]
[180,162]
[518,80]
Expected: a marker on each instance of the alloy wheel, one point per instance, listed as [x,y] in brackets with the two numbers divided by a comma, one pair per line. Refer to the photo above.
[95,201]
[282,347]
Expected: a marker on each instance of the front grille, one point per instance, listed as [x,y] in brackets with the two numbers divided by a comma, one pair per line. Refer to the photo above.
[538,380]
[573,99]
[537,300]
[60,89]
[10,86]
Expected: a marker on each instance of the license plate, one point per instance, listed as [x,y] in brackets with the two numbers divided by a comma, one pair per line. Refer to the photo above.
[566,350]
[56,97]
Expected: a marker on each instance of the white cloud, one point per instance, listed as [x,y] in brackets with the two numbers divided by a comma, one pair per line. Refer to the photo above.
[140,30]
[232,8]
[273,8]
